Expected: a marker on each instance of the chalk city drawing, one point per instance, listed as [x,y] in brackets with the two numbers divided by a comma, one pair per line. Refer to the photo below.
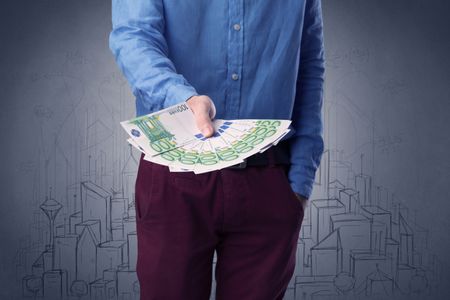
[357,240]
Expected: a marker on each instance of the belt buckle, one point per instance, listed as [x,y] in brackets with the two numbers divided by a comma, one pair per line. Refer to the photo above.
[241,165]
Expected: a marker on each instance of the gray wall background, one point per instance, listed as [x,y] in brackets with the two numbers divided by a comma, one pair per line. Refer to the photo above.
[386,113]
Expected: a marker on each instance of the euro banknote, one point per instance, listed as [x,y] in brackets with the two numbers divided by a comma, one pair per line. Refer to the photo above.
[170,137]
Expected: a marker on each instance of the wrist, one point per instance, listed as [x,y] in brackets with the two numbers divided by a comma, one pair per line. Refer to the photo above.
[300,196]
[303,200]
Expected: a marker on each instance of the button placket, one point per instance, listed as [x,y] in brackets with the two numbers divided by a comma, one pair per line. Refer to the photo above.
[235,57]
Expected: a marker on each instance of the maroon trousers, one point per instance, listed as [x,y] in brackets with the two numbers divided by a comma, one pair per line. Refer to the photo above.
[250,216]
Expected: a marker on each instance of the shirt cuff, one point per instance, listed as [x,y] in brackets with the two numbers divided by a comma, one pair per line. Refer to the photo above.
[178,93]
[302,182]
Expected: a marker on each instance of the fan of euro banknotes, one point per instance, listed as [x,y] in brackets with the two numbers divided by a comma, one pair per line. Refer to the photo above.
[170,137]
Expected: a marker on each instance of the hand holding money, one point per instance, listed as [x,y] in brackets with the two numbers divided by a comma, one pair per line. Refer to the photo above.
[204,111]
[172,136]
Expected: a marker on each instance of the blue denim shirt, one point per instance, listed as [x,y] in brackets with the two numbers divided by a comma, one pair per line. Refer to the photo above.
[255,59]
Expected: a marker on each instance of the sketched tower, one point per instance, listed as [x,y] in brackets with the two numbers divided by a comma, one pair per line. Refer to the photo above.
[51,207]
[96,205]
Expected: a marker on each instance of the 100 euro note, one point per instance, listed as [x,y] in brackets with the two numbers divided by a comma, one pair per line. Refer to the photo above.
[170,137]
[208,154]
[162,131]
[231,143]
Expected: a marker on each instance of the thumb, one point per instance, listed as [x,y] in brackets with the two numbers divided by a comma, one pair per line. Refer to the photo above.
[203,121]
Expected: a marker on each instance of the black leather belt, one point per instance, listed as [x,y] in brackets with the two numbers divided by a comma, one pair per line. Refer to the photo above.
[278,154]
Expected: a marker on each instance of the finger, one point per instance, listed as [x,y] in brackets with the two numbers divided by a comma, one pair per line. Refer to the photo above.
[204,123]
[212,110]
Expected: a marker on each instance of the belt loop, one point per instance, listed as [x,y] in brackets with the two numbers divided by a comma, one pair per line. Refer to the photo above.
[271,156]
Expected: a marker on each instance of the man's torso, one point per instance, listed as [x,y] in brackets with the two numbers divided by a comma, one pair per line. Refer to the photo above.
[243,54]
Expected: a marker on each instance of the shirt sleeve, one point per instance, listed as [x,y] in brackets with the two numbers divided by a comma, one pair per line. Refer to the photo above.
[138,44]
[307,143]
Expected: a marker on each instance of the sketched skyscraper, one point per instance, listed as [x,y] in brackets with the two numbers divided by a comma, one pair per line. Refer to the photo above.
[51,208]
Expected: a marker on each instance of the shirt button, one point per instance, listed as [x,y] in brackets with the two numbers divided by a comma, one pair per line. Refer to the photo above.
[237,27]
[235,76]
